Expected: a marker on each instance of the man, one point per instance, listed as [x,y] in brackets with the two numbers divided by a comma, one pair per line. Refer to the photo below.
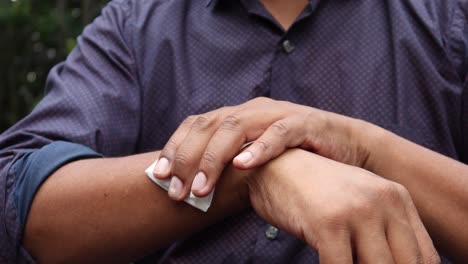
[350,187]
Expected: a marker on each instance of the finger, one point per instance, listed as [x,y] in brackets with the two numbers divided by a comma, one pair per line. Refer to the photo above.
[426,246]
[162,168]
[282,134]
[402,240]
[255,118]
[372,246]
[335,249]
[226,142]
[187,158]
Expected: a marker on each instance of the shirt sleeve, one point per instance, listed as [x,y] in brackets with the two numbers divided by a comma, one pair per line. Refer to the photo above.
[91,108]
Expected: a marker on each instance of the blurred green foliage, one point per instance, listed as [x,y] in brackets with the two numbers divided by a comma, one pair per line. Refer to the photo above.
[34,36]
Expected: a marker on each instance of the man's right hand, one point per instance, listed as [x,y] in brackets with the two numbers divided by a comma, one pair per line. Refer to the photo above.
[342,211]
[202,146]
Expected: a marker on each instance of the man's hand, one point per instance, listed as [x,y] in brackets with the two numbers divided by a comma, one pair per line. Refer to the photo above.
[198,151]
[342,211]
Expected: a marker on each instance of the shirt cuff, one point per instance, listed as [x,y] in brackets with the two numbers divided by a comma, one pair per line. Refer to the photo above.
[31,170]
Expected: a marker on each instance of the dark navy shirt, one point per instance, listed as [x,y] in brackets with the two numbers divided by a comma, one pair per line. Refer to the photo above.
[144,65]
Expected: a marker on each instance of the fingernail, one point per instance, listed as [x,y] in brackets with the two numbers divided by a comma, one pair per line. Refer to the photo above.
[199,182]
[162,167]
[244,157]
[175,188]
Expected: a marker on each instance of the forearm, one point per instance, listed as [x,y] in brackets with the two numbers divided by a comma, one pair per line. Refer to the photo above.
[438,185]
[108,210]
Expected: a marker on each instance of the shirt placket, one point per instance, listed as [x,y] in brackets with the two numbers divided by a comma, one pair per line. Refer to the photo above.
[271,241]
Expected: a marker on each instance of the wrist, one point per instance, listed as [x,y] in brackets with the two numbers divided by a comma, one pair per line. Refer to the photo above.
[290,159]
[254,178]
[235,182]
[372,140]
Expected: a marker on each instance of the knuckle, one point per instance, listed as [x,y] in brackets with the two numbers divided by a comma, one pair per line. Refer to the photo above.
[388,193]
[262,145]
[364,209]
[203,122]
[171,145]
[335,220]
[209,157]
[411,256]
[360,210]
[403,192]
[189,120]
[261,99]
[433,257]
[280,129]
[231,123]
[334,226]
[181,160]
[415,259]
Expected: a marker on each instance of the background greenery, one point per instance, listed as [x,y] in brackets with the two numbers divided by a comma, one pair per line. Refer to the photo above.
[34,36]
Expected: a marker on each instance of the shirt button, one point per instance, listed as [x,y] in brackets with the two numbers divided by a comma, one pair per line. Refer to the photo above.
[288,46]
[271,232]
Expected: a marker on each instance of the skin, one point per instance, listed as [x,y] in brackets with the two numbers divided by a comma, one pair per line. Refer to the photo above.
[195,154]
[285,12]
[338,210]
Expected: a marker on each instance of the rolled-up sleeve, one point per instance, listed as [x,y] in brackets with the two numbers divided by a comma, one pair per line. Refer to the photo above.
[33,168]
[91,109]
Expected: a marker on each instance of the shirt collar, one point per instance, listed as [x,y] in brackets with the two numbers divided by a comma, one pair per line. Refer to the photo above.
[211,2]
[215,2]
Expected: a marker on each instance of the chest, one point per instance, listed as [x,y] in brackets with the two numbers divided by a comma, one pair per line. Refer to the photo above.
[359,61]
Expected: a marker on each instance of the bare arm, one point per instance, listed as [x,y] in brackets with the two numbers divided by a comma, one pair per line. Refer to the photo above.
[438,185]
[108,210]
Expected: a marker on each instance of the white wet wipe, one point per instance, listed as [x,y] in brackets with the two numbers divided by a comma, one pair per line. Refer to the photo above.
[202,203]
